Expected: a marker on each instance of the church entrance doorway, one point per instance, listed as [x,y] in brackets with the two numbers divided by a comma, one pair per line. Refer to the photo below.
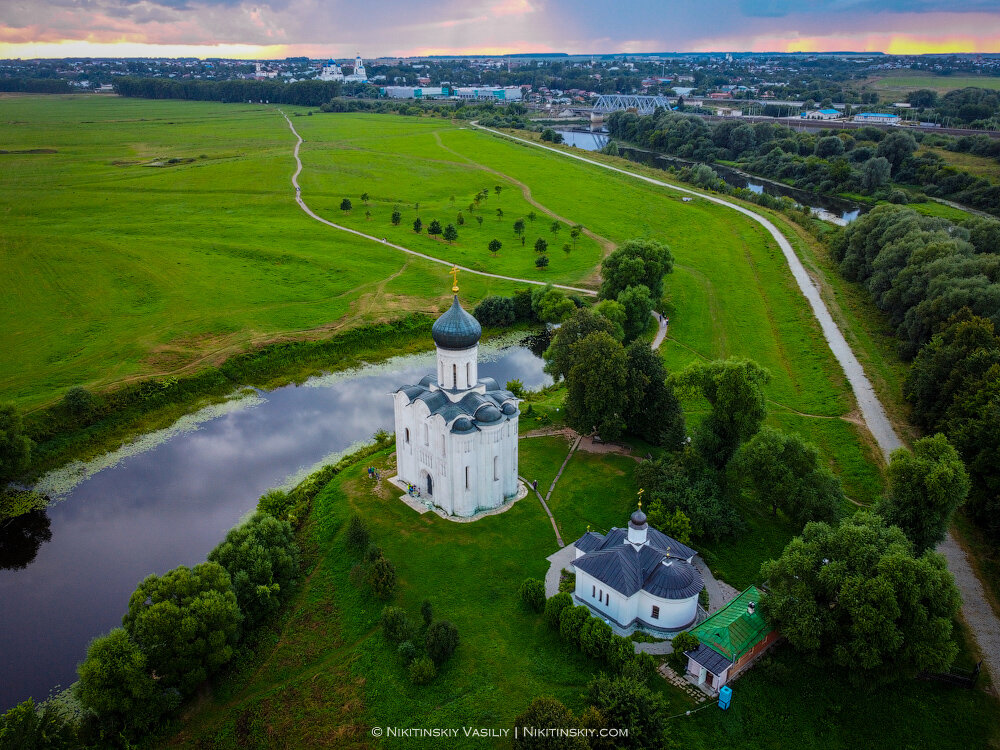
[426,483]
[430,485]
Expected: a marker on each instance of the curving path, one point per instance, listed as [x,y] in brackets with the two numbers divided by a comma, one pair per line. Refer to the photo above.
[309,212]
[975,609]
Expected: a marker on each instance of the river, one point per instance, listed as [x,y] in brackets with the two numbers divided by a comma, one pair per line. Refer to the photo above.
[825,207]
[66,573]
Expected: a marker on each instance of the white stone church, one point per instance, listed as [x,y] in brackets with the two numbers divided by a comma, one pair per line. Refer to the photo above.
[456,433]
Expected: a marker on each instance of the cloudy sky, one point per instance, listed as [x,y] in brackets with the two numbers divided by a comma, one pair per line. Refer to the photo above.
[319,28]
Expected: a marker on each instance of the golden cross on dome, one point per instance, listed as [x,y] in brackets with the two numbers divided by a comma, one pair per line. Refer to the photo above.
[454,275]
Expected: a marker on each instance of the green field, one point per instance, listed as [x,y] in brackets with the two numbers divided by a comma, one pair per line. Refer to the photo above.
[908,81]
[330,675]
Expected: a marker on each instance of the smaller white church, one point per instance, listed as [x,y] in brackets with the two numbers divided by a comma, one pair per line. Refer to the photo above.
[456,433]
[638,578]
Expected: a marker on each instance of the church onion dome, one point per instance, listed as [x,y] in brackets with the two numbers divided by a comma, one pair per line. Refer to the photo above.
[509,409]
[456,329]
[487,413]
[462,425]
[638,520]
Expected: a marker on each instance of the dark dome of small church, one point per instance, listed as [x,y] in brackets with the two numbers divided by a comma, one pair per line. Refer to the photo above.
[456,329]
[509,409]
[638,518]
[487,413]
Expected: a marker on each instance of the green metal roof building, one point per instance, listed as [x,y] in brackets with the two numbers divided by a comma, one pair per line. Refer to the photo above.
[730,640]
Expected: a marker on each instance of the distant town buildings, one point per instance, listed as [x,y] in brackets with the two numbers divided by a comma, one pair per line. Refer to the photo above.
[877,117]
[333,72]
[821,114]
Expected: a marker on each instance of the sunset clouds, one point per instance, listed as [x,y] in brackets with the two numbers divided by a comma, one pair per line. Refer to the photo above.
[278,28]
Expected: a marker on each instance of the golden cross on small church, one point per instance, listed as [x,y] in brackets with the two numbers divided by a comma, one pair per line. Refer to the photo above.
[454,275]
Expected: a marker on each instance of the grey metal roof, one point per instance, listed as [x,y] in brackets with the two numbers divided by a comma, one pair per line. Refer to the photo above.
[710,659]
[657,540]
[456,329]
[479,408]
[589,541]
[627,570]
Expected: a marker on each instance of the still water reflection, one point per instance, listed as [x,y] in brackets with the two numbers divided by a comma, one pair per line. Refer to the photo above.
[66,573]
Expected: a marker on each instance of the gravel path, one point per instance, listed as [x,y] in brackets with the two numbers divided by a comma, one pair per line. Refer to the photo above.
[975,609]
[977,613]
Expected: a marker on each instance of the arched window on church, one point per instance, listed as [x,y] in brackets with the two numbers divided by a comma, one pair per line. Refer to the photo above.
[442,445]
[468,374]
[427,436]
[454,376]
[496,468]
[466,477]
[407,435]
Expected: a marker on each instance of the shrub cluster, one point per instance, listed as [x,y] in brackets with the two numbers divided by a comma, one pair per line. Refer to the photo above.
[422,649]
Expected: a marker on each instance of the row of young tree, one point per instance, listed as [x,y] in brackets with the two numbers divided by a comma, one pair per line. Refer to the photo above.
[864,160]
[619,698]
[304,93]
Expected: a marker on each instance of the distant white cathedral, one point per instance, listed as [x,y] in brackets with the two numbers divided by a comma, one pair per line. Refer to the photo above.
[456,433]
[332,72]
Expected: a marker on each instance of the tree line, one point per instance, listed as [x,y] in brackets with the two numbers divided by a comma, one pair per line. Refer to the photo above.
[865,161]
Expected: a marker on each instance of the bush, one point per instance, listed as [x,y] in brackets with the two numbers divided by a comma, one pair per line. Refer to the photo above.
[426,612]
[571,622]
[15,446]
[554,608]
[630,704]
[396,625]
[546,713]
[262,560]
[495,312]
[25,727]
[619,652]
[641,668]
[382,578]
[358,537]
[532,594]
[441,641]
[407,652]
[595,638]
[373,553]
[683,641]
[80,402]
[422,671]
[276,503]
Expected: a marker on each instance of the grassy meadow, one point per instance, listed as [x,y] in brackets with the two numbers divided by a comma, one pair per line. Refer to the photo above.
[902,82]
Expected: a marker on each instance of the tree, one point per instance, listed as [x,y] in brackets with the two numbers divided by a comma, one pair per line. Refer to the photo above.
[382,578]
[542,261]
[495,312]
[519,227]
[396,218]
[784,472]
[532,594]
[460,219]
[574,234]
[636,262]
[828,147]
[25,727]
[896,147]
[450,233]
[417,225]
[551,305]
[652,410]
[924,98]
[479,220]
[596,384]
[422,670]
[683,641]
[567,248]
[497,189]
[357,535]
[15,446]
[117,685]
[559,356]
[595,637]
[368,215]
[262,560]
[80,402]
[396,625]
[855,595]
[546,713]
[499,214]
[554,607]
[554,228]
[875,173]
[551,136]
[426,612]
[185,622]
[541,246]
[638,305]
[571,622]
[734,389]
[626,703]
[364,198]
[612,311]
[495,246]
[925,488]
[345,205]
[441,641]
[532,216]
[434,228]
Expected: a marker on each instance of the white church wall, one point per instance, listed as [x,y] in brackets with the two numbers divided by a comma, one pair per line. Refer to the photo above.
[458,368]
